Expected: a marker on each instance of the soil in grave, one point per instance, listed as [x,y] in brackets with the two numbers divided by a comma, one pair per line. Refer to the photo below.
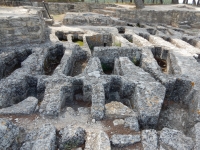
[107,68]
[79,42]
[50,64]
[78,100]
[120,129]
[17,66]
[78,103]
[162,63]
[14,118]
[79,66]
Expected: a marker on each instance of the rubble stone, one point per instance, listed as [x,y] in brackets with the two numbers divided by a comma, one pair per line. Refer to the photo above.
[195,134]
[118,110]
[26,106]
[124,140]
[132,123]
[11,136]
[97,140]
[118,122]
[71,137]
[149,139]
[43,138]
[170,138]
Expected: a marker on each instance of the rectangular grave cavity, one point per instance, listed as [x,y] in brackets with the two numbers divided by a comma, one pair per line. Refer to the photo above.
[121,30]
[107,56]
[11,61]
[78,39]
[61,35]
[77,98]
[99,40]
[129,37]
[114,91]
[77,61]
[52,59]
[162,57]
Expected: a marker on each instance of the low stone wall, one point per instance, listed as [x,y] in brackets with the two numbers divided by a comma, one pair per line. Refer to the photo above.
[173,17]
[61,8]
[22,26]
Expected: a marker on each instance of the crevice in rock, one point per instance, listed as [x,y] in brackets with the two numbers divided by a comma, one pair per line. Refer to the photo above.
[78,39]
[107,68]
[162,58]
[114,92]
[99,40]
[130,25]
[61,36]
[12,62]
[175,108]
[78,67]
[197,57]
[152,31]
[121,30]
[52,59]
[77,98]
[77,62]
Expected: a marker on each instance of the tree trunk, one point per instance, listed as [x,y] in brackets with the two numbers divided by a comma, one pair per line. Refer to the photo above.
[174,1]
[161,1]
[131,1]
[198,3]
[194,2]
[139,4]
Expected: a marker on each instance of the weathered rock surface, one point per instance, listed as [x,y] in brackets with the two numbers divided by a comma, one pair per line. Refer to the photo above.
[148,94]
[149,139]
[132,123]
[71,137]
[98,102]
[43,138]
[124,140]
[11,136]
[90,19]
[10,60]
[118,110]
[55,94]
[174,139]
[24,107]
[118,122]
[195,134]
[97,140]
[21,26]
[16,88]
[173,117]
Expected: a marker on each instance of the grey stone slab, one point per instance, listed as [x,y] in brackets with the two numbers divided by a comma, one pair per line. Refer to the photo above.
[149,139]
[119,140]
[43,138]
[71,137]
[97,140]
[174,139]
[11,136]
[24,107]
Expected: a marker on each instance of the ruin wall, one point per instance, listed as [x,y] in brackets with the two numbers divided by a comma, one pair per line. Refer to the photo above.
[22,29]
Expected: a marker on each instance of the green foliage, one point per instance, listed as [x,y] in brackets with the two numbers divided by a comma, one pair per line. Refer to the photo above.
[79,42]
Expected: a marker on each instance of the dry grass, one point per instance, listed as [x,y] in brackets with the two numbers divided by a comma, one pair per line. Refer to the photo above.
[58,18]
